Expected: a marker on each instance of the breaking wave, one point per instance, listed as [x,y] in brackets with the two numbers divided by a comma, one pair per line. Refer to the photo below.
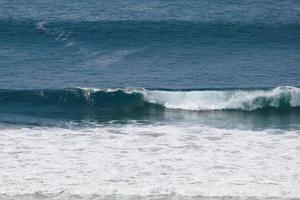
[195,100]
[237,99]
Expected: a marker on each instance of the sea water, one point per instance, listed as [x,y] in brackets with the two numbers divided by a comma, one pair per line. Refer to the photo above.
[149,99]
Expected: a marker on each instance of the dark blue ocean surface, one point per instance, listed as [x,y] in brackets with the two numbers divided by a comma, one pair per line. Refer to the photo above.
[159,44]
[47,47]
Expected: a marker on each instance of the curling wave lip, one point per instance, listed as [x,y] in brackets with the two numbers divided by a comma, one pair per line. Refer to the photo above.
[194,100]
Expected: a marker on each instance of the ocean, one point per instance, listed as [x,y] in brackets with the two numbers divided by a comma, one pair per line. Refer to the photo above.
[150,99]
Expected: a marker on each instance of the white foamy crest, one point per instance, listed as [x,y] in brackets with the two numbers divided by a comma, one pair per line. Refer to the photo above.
[222,100]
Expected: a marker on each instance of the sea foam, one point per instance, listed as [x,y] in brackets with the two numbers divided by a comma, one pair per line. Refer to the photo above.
[183,159]
[249,100]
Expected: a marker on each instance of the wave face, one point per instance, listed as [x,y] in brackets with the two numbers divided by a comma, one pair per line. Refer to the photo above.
[248,100]
[201,100]
[34,106]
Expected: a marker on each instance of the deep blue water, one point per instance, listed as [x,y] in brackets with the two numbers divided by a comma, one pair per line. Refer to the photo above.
[135,99]
[158,44]
[178,45]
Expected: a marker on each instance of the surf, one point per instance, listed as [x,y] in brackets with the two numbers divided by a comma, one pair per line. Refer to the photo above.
[194,100]
[237,99]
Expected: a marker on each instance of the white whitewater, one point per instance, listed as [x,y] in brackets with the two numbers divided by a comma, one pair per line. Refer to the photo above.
[158,159]
[224,100]
[209,100]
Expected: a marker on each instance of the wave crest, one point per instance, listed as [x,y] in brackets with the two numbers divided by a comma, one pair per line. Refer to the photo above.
[143,99]
[249,100]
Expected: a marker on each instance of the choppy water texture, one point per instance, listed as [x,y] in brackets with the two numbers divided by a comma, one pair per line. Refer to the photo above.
[149,99]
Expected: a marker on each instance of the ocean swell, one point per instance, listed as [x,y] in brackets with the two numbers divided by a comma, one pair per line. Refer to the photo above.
[194,100]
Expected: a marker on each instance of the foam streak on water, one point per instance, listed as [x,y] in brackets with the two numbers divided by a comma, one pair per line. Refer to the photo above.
[188,160]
